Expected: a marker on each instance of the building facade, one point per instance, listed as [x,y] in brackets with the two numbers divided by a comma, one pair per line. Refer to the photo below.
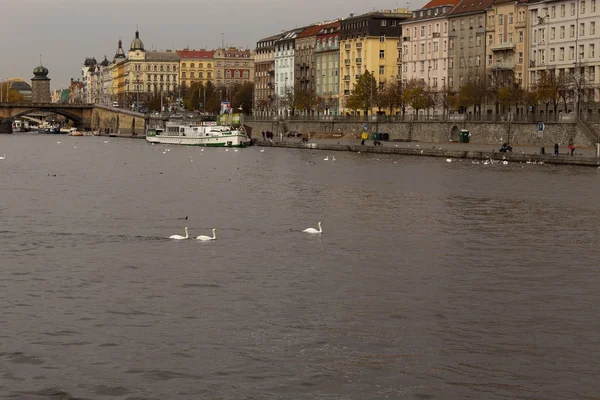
[426,48]
[563,41]
[304,59]
[233,66]
[264,76]
[196,66]
[369,42]
[327,68]
[284,70]
[466,43]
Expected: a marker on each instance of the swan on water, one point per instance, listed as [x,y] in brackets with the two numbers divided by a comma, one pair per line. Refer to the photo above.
[262,150]
[3,157]
[207,238]
[226,149]
[313,230]
[333,159]
[326,158]
[178,237]
[448,160]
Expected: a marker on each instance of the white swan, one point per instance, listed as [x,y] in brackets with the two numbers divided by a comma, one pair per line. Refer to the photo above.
[326,158]
[3,157]
[448,160]
[333,158]
[262,150]
[178,237]
[207,238]
[313,230]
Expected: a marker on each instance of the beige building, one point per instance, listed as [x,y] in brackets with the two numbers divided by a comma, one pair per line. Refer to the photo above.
[506,40]
[264,76]
[233,66]
[327,68]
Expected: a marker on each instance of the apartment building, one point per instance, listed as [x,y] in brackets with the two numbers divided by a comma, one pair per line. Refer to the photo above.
[196,66]
[466,42]
[426,51]
[369,42]
[327,68]
[563,40]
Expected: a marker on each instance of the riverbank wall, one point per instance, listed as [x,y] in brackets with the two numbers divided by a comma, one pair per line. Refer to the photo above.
[452,154]
[516,133]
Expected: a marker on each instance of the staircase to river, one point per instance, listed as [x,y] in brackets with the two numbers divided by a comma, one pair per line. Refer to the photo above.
[588,131]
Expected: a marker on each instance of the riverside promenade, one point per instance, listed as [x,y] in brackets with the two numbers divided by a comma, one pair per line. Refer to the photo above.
[585,156]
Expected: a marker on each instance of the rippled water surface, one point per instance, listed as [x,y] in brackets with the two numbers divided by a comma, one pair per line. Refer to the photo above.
[432,280]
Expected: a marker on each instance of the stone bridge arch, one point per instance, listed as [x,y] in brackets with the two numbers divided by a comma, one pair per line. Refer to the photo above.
[78,120]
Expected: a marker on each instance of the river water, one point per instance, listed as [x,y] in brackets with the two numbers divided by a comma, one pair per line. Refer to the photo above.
[432,280]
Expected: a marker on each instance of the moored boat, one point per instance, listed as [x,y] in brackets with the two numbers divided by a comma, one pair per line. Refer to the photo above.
[199,135]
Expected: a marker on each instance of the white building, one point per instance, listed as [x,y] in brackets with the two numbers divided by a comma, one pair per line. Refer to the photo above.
[563,39]
[284,70]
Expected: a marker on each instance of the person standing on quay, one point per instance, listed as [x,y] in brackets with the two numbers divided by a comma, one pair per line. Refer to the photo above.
[572,148]
[556,149]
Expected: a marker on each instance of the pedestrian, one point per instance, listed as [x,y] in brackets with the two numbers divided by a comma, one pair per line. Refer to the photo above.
[572,148]
[555,149]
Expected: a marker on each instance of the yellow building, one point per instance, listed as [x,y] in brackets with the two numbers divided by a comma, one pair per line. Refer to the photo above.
[196,66]
[369,42]
[506,39]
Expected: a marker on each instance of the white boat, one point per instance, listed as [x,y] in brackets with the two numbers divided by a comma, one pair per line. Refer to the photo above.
[199,135]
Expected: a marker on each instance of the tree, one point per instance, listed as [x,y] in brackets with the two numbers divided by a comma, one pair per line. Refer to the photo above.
[305,98]
[445,99]
[546,89]
[497,80]
[13,95]
[391,96]
[327,102]
[243,98]
[363,93]
[417,95]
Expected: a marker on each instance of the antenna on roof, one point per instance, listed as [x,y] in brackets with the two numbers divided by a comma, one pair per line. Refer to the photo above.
[40,59]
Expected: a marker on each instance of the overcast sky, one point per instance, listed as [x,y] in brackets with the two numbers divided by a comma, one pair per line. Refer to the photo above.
[64,32]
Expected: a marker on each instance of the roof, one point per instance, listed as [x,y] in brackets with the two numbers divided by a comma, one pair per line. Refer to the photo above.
[274,37]
[20,86]
[195,54]
[162,56]
[310,31]
[469,6]
[441,3]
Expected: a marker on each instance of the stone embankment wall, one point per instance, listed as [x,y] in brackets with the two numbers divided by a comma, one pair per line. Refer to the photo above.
[520,133]
[107,121]
[454,155]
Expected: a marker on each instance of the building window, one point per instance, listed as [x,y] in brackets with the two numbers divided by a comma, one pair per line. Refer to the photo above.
[582,29]
[572,31]
[490,40]
[592,28]
[592,51]
[489,59]
[510,18]
[435,47]
[561,54]
[520,57]
[572,53]
[593,6]
[552,33]
[183,75]
[422,66]
[501,19]
[422,49]
[381,70]
[381,54]
[562,10]
[553,12]
[382,38]
[478,41]
[383,22]
[572,9]
[583,7]
[552,55]
[562,32]
[422,30]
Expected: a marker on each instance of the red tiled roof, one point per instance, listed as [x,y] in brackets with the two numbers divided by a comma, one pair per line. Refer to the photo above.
[183,54]
[310,31]
[467,6]
[440,3]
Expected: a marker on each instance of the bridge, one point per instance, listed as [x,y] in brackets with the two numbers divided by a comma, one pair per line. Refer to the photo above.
[106,120]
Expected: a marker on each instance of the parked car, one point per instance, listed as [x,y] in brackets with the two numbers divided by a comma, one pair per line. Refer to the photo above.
[176,116]
[294,134]
[115,104]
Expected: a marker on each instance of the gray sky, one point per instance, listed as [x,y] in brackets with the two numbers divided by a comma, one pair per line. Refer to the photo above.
[67,31]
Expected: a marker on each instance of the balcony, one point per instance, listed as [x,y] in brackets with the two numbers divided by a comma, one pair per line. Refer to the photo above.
[480,30]
[406,38]
[359,45]
[490,27]
[346,62]
[520,24]
[303,65]
[502,46]
[436,35]
[399,44]
[359,60]
[399,60]
[270,84]
[347,46]
[346,77]
[452,33]
[503,67]
[346,93]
